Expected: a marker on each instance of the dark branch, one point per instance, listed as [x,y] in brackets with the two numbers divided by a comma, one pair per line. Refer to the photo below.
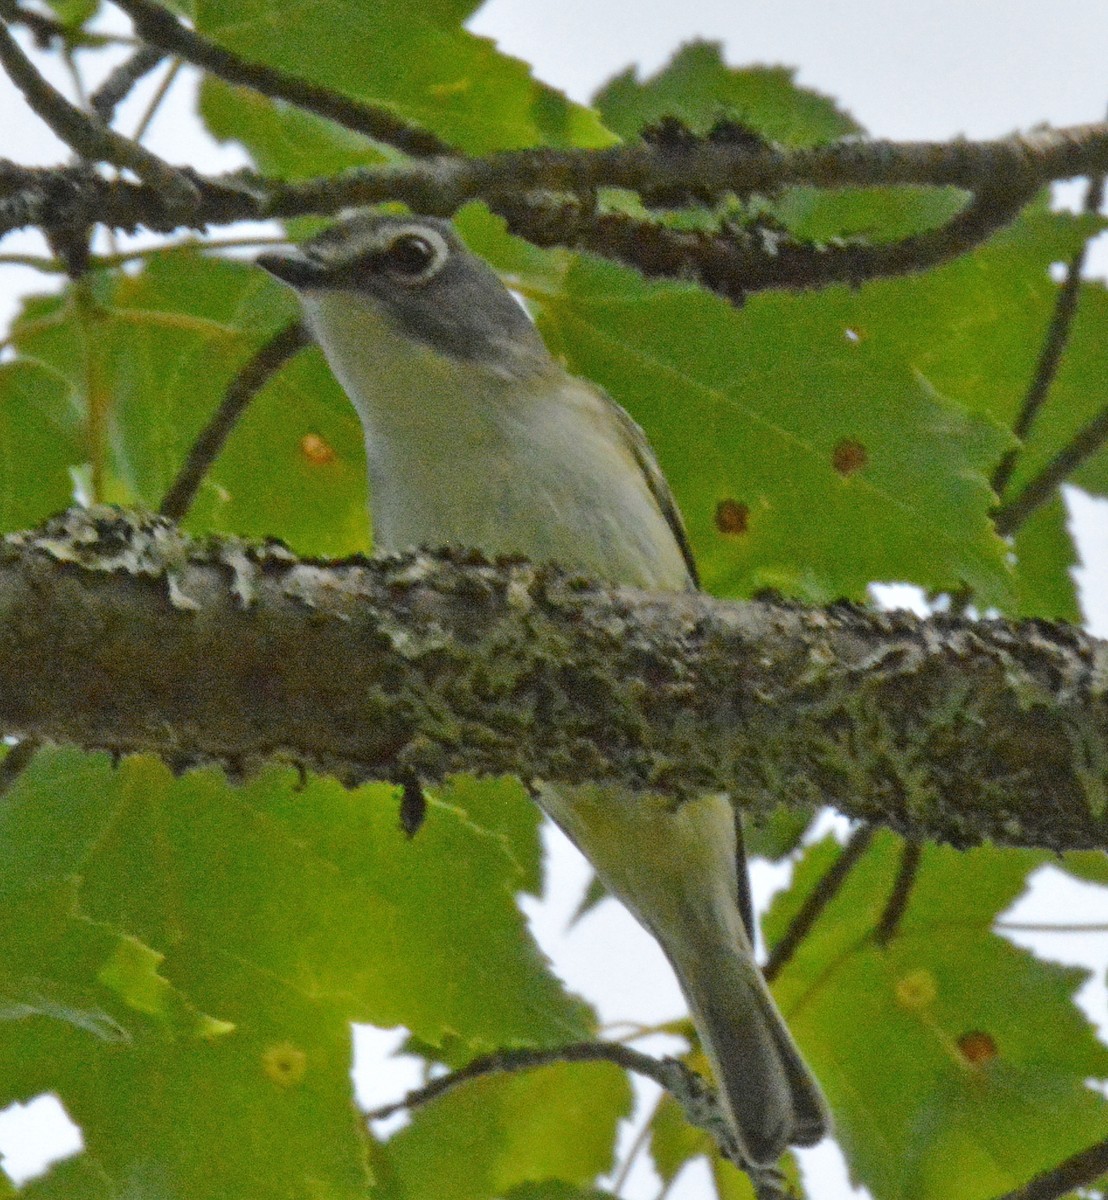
[87,135]
[1001,174]
[827,888]
[211,439]
[119,83]
[160,28]
[1083,1168]
[889,921]
[734,263]
[1088,440]
[1054,344]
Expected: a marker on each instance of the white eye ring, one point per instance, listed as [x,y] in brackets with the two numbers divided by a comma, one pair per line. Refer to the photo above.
[412,255]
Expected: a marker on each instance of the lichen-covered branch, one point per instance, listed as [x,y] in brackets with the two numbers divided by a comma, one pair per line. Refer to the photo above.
[118,632]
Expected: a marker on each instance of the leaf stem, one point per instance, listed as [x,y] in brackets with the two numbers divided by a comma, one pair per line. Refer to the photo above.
[1054,344]
[211,439]
[826,889]
[1082,1168]
[889,921]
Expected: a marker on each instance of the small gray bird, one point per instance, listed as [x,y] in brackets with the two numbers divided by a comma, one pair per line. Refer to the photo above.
[475,436]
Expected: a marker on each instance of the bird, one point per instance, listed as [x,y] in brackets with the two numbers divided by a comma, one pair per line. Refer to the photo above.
[477,436]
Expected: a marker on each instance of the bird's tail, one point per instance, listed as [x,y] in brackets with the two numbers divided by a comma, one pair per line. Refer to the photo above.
[766,1087]
[679,869]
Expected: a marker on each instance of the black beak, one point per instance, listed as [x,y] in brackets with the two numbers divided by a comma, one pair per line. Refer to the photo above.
[294,269]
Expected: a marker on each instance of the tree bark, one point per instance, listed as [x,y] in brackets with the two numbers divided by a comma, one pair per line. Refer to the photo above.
[117,632]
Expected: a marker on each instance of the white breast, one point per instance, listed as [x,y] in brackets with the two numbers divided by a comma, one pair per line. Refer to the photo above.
[460,454]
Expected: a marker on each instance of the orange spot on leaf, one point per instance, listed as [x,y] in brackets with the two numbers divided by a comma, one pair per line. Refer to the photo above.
[849,456]
[732,517]
[977,1047]
[317,450]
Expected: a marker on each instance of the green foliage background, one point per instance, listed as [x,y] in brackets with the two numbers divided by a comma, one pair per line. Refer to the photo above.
[182,959]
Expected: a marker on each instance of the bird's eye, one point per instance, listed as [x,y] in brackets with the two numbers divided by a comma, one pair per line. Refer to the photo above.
[410,258]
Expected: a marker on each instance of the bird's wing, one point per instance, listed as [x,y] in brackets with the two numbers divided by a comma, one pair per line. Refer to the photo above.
[639,447]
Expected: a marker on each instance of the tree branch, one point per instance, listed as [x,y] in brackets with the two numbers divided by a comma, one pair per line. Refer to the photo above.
[118,632]
[119,83]
[543,184]
[1085,1167]
[87,135]
[159,27]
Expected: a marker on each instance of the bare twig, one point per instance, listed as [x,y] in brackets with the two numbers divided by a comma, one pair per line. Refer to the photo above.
[901,892]
[47,30]
[119,83]
[1051,927]
[1082,1168]
[1085,443]
[156,100]
[827,888]
[160,28]
[87,134]
[660,1070]
[246,384]
[1054,344]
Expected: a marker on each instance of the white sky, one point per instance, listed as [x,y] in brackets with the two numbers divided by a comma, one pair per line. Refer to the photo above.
[906,69]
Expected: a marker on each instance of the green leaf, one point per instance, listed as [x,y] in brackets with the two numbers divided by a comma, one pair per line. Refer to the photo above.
[955,1064]
[159,351]
[777,834]
[555,1189]
[1045,558]
[485,1137]
[284,142]
[502,806]
[412,58]
[804,457]
[75,13]
[136,903]
[36,455]
[884,214]
[698,88]
[74,1179]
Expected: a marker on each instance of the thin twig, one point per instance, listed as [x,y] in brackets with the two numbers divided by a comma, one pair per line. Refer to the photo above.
[246,384]
[1082,1168]
[660,1070]
[1050,927]
[1054,344]
[897,902]
[1088,440]
[122,80]
[46,30]
[827,888]
[86,134]
[156,100]
[161,28]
